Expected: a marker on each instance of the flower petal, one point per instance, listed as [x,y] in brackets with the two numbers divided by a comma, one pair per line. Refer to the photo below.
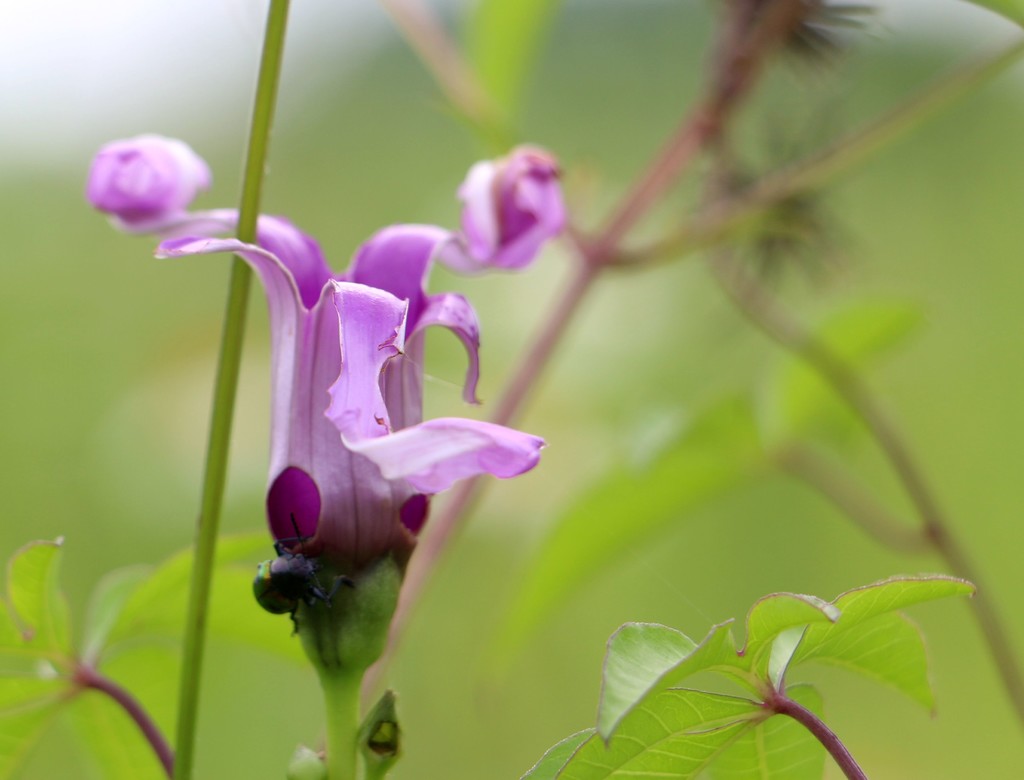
[372,333]
[398,259]
[479,217]
[431,456]
[453,311]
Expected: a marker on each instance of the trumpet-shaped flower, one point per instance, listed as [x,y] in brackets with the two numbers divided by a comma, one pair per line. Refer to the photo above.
[352,463]
[357,476]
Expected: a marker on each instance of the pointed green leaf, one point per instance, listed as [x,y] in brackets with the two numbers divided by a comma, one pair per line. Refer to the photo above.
[800,401]
[627,507]
[675,733]
[1011,9]
[772,615]
[19,732]
[871,638]
[888,648]
[778,748]
[105,606]
[113,740]
[645,658]
[899,592]
[38,606]
[504,39]
[552,761]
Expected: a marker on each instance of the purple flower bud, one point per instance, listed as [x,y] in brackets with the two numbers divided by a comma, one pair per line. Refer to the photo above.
[146,180]
[511,206]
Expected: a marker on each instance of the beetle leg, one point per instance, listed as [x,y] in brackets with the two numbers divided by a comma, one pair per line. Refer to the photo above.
[340,580]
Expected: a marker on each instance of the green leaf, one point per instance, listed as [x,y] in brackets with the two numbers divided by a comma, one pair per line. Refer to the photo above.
[105,606]
[627,507]
[27,692]
[157,606]
[504,39]
[552,761]
[38,607]
[871,638]
[778,748]
[1011,9]
[799,401]
[19,731]
[772,615]
[675,733]
[113,740]
[645,658]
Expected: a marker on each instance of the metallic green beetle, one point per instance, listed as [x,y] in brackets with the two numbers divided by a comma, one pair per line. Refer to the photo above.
[283,582]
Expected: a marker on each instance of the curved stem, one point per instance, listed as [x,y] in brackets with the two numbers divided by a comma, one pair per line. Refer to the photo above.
[226,383]
[783,705]
[88,677]
[743,57]
[442,527]
[756,303]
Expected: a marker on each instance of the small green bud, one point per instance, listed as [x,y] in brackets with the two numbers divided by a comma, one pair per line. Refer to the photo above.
[306,764]
[380,737]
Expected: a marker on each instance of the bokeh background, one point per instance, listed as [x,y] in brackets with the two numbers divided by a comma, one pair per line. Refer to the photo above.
[107,355]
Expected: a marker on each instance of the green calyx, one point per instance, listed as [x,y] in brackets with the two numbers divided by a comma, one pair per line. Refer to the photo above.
[347,634]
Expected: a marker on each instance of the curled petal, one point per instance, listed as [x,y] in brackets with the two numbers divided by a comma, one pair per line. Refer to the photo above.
[398,259]
[282,292]
[454,312]
[372,332]
[431,456]
[143,180]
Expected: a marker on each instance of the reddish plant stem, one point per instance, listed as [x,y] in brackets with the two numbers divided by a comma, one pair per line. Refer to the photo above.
[781,704]
[760,308]
[88,677]
[743,45]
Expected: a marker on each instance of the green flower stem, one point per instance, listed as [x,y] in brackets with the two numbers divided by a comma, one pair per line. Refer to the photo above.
[721,220]
[225,386]
[341,697]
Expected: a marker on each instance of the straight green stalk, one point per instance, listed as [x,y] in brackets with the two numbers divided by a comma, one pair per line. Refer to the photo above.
[225,387]
[341,698]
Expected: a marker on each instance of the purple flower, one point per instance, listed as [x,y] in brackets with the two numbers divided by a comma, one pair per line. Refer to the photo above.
[351,459]
[511,206]
[357,477]
[146,181]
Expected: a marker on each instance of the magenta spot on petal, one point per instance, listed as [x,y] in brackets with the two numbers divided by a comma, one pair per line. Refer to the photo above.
[293,493]
[414,513]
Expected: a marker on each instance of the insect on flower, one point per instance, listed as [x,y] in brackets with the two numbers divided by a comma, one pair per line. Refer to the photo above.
[282,582]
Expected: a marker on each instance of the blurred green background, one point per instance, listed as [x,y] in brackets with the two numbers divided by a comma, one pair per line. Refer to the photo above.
[108,357]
